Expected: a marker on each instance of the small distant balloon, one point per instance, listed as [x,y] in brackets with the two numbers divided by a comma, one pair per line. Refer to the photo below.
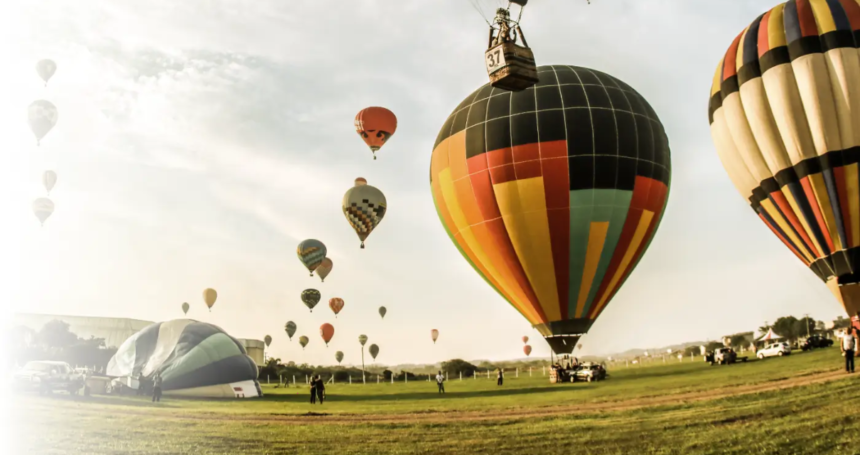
[303,340]
[311,297]
[525,340]
[43,208]
[336,304]
[579,346]
[185,308]
[527,350]
[290,328]
[326,332]
[362,339]
[382,311]
[375,125]
[267,340]
[338,356]
[42,116]
[46,69]
[374,351]
[311,252]
[49,179]
[364,207]
[324,268]
[434,334]
[209,297]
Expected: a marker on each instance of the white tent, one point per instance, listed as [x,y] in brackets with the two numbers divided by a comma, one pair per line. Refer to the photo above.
[769,336]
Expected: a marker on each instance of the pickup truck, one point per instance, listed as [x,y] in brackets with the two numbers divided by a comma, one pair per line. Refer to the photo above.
[46,377]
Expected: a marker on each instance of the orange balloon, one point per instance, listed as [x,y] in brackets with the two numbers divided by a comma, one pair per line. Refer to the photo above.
[336,304]
[327,332]
[525,339]
[435,335]
[375,125]
[527,349]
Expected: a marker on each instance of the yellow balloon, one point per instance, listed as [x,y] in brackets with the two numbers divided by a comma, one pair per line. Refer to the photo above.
[209,296]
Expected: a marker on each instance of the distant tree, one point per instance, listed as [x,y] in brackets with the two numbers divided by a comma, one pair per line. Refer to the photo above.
[820,326]
[403,374]
[457,366]
[738,340]
[804,327]
[692,350]
[786,327]
[387,375]
[56,335]
[841,322]
[765,328]
[713,345]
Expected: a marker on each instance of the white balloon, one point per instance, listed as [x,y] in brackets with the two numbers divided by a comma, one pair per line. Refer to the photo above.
[43,208]
[49,179]
[42,116]
[46,68]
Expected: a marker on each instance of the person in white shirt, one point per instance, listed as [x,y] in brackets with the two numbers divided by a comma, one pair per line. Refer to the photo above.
[849,345]
[440,382]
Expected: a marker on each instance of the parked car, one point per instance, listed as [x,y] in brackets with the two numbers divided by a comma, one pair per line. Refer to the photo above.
[815,341]
[774,349]
[47,376]
[589,373]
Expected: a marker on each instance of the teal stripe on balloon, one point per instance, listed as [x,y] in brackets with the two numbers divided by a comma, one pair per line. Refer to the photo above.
[581,207]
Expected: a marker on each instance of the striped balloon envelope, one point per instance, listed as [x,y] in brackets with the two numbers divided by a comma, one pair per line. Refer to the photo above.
[553,193]
[785,119]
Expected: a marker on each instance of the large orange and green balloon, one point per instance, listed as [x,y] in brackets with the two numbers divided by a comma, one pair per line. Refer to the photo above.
[785,119]
[554,193]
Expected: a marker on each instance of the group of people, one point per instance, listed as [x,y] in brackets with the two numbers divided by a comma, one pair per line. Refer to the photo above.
[849,342]
[317,389]
[143,383]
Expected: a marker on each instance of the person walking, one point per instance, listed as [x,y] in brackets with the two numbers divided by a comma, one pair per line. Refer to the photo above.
[500,376]
[313,390]
[849,345]
[156,387]
[440,381]
[320,389]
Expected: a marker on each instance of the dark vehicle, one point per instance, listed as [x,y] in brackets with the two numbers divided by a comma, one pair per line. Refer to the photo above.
[47,377]
[815,341]
[724,356]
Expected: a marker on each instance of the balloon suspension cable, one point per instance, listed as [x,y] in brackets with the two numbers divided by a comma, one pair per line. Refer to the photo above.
[474,4]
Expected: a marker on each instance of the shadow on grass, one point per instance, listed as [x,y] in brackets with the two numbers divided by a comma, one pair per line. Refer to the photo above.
[429,395]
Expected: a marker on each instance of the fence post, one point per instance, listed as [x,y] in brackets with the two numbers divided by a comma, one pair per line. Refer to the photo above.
[377,379]
[543,370]
[461,375]
[530,371]
[518,371]
[392,377]
[405,378]
[267,379]
[446,376]
[294,380]
[280,379]
[488,374]
[350,379]
[475,375]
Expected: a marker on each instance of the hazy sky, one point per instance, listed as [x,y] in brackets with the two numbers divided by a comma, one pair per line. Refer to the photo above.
[199,141]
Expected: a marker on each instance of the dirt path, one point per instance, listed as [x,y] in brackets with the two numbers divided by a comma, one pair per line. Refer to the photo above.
[513,414]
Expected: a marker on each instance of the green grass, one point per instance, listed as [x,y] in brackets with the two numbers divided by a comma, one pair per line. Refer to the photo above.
[815,419]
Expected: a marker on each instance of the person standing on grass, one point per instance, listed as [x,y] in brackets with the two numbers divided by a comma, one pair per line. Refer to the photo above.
[156,387]
[849,345]
[313,390]
[440,381]
[320,389]
[501,377]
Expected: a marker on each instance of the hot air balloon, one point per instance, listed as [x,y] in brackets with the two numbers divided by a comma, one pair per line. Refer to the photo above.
[49,179]
[336,304]
[311,252]
[209,296]
[46,68]
[527,350]
[42,117]
[311,297]
[326,332]
[324,268]
[338,356]
[362,339]
[553,194]
[374,351]
[375,125]
[525,340]
[290,328]
[267,340]
[303,340]
[43,208]
[785,120]
[185,308]
[382,312]
[579,346]
[364,207]
[434,334]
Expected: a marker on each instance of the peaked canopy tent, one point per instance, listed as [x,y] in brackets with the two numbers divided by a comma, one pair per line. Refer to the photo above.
[193,358]
[769,336]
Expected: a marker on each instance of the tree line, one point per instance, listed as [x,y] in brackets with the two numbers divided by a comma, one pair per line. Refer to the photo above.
[54,341]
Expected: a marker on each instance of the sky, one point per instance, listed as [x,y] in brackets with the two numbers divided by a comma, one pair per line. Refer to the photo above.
[200,141]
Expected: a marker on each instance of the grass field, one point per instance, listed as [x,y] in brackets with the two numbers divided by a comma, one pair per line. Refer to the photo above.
[798,404]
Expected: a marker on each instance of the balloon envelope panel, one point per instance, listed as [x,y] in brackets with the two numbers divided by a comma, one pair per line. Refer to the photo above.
[188,354]
[785,119]
[553,193]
